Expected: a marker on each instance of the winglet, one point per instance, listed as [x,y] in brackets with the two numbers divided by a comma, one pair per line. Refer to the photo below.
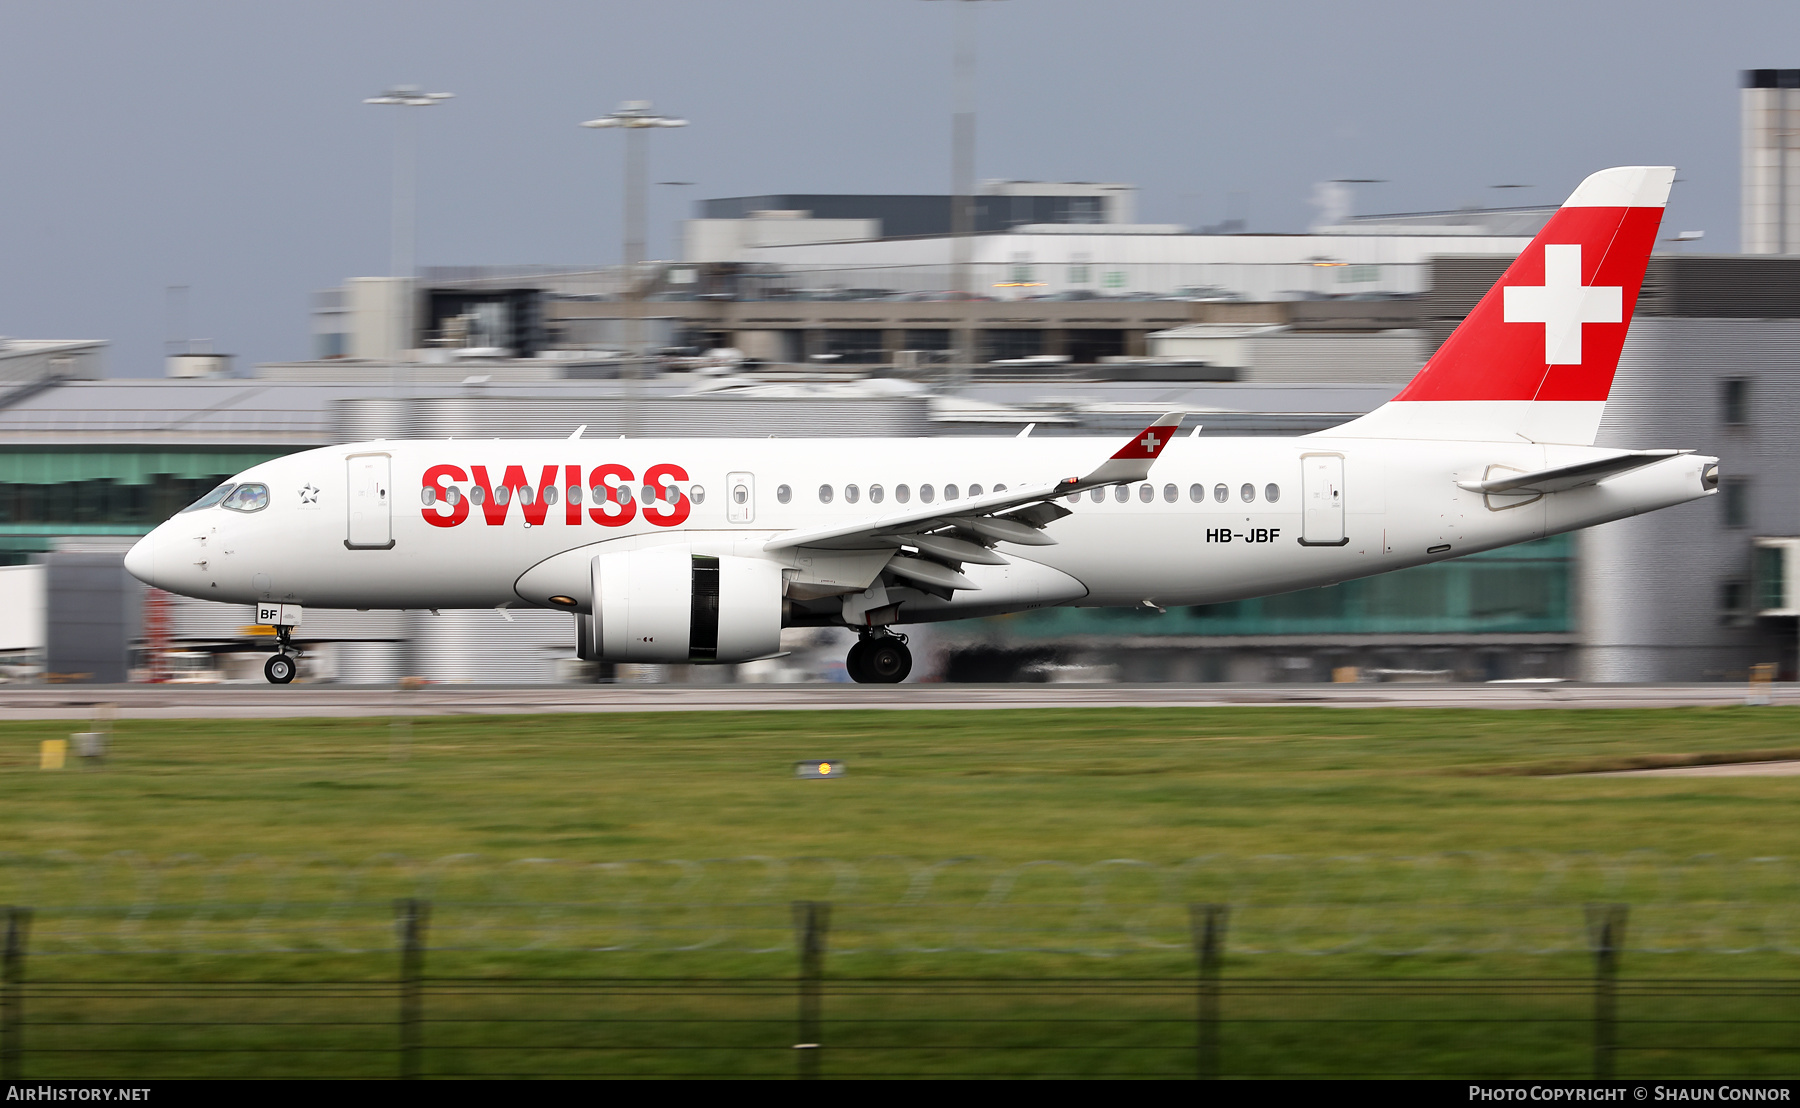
[1133,461]
[1148,444]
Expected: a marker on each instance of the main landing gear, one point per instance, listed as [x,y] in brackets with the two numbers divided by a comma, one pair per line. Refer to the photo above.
[281,668]
[879,659]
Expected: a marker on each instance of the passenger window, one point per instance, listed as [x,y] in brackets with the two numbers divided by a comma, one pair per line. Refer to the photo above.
[1121,493]
[1098,496]
[599,494]
[1248,492]
[477,494]
[428,496]
[574,494]
[875,494]
[1073,498]
[252,498]
[1146,492]
[650,493]
[1197,493]
[824,494]
[1271,493]
[740,494]
[783,494]
[453,495]
[549,494]
[974,490]
[624,494]
[949,492]
[502,494]
[999,488]
[525,494]
[1171,494]
[927,494]
[852,494]
[1221,493]
[697,494]
[902,494]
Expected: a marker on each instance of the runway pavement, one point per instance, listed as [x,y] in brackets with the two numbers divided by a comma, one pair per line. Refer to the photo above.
[259,701]
[1730,769]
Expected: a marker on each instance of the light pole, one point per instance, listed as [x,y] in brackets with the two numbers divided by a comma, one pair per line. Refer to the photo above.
[677,245]
[400,255]
[635,117]
[962,173]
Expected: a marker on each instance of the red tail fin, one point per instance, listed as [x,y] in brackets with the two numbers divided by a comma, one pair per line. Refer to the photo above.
[1536,357]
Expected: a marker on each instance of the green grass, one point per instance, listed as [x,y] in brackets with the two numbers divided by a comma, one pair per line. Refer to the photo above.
[269,850]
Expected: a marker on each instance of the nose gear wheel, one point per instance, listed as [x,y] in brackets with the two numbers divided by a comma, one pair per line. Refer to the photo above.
[280,669]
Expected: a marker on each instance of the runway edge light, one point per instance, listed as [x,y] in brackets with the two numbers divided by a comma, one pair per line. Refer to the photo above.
[819,767]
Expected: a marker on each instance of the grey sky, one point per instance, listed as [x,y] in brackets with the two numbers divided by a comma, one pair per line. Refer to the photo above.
[223,144]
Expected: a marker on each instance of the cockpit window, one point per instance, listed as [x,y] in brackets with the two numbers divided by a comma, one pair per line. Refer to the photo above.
[210,498]
[248,498]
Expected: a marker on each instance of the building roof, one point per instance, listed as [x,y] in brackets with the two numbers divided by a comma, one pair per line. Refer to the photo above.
[171,412]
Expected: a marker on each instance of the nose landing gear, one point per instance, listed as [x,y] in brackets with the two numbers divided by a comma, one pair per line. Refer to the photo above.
[879,659]
[281,668]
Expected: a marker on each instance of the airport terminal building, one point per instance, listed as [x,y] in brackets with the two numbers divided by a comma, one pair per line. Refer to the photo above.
[863,315]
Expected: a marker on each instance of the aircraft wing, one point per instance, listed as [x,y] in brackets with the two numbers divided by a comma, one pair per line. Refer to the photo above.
[962,530]
[1574,476]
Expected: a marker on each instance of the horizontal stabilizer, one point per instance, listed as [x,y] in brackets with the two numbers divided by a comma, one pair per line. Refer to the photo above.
[1571,476]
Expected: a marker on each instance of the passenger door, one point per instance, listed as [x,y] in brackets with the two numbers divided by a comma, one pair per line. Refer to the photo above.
[1322,500]
[740,498]
[370,526]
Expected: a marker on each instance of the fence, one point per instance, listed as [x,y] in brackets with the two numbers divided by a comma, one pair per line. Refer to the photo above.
[1468,904]
[1210,1023]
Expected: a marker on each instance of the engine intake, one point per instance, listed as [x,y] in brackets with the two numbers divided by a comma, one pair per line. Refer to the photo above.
[668,604]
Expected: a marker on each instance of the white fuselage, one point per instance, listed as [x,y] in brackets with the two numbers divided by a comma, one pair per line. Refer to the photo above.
[1398,503]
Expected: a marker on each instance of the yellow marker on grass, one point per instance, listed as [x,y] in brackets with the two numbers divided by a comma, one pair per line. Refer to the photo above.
[52,753]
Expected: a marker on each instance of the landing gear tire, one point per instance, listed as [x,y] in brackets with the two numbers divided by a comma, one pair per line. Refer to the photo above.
[856,661]
[280,669]
[882,660]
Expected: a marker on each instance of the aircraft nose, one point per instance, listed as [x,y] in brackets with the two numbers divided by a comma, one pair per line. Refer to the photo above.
[140,560]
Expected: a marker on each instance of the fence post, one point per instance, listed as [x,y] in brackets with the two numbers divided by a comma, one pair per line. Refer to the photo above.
[812,919]
[12,994]
[413,915]
[1207,923]
[1606,933]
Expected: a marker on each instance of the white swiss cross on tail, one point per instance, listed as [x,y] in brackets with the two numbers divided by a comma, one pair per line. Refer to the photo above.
[1562,304]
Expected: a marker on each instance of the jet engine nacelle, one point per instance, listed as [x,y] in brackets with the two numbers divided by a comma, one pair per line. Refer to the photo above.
[668,604]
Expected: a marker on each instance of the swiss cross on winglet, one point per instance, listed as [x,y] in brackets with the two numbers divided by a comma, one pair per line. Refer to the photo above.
[1149,444]
[1132,462]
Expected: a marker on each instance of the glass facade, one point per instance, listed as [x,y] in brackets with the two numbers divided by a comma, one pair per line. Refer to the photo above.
[47,492]
[1520,589]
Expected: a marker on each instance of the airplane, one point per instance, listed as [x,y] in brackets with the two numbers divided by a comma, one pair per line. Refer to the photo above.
[703,550]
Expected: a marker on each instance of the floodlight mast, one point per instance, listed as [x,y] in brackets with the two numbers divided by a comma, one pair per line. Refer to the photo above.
[401,245]
[634,117]
[962,174]
[400,260]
